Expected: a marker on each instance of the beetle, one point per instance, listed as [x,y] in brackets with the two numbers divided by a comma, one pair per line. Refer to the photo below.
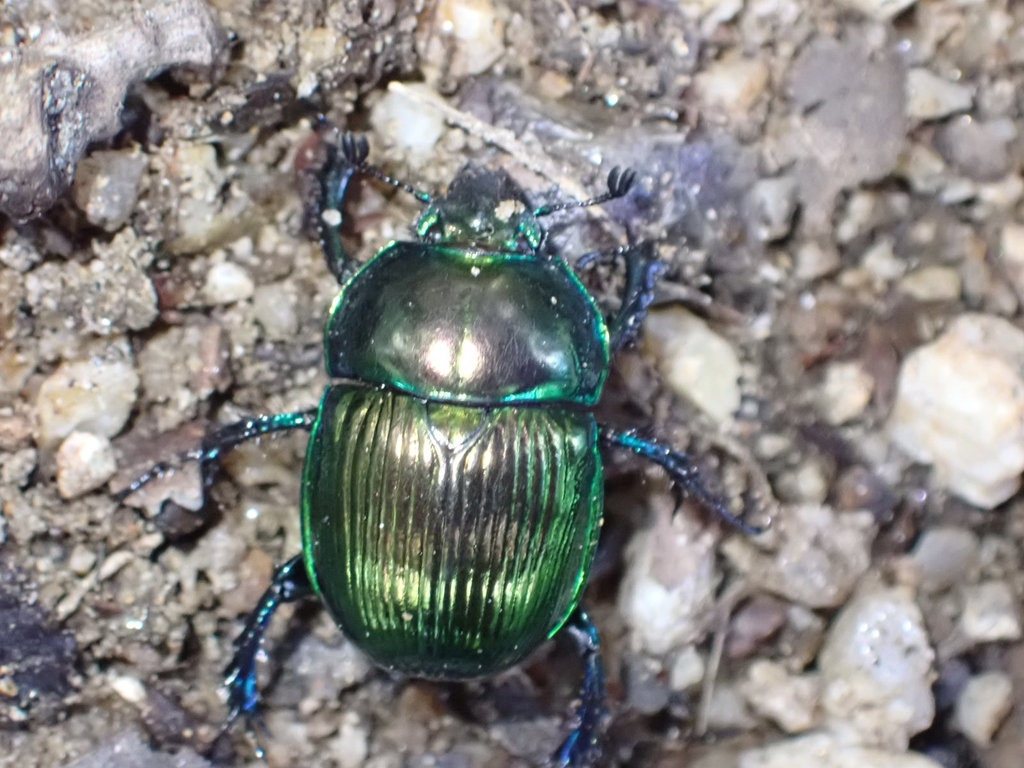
[452,490]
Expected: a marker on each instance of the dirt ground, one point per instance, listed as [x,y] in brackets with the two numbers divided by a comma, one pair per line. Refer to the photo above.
[835,192]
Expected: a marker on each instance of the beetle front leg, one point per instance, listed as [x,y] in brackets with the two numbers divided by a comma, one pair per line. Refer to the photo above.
[581,746]
[224,439]
[291,582]
[681,470]
[642,271]
[333,181]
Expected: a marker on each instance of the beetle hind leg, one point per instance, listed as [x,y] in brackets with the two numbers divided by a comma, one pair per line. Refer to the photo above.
[291,582]
[581,747]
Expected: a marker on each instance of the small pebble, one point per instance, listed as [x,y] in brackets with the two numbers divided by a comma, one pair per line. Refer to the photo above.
[960,406]
[821,750]
[93,396]
[107,185]
[990,613]
[274,308]
[815,260]
[980,150]
[845,392]
[876,669]
[227,283]
[790,701]
[818,560]
[770,207]
[470,37]
[696,362]
[983,704]
[932,284]
[880,10]
[731,86]
[406,121]
[84,462]
[687,671]
[1011,252]
[946,556]
[129,688]
[128,750]
[930,97]
[668,591]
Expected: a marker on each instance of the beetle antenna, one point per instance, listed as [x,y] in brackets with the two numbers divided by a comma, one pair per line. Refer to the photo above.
[356,149]
[620,181]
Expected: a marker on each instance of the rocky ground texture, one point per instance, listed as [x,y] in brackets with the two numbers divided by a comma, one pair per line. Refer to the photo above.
[835,189]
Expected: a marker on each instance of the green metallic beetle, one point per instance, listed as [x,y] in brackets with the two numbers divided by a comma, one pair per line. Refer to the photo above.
[452,492]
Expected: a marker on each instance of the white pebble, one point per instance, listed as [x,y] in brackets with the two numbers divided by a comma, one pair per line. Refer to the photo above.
[90,395]
[406,121]
[880,10]
[129,688]
[84,462]
[687,671]
[818,559]
[932,284]
[731,86]
[845,392]
[470,38]
[982,705]
[960,406]
[821,750]
[990,613]
[668,591]
[274,308]
[930,97]
[791,701]
[770,206]
[696,362]
[227,283]
[946,556]
[1011,252]
[876,669]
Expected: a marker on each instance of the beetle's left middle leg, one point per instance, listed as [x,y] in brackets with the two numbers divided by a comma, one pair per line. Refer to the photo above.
[581,746]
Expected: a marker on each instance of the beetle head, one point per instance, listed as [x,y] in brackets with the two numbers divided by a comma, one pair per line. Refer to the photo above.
[483,208]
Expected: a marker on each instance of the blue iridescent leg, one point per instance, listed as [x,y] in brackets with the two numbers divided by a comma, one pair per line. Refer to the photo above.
[582,746]
[681,470]
[642,271]
[334,177]
[345,160]
[290,582]
[224,439]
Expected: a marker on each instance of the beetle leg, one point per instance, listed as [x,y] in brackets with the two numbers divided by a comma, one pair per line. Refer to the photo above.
[334,178]
[290,582]
[224,439]
[580,747]
[681,470]
[642,271]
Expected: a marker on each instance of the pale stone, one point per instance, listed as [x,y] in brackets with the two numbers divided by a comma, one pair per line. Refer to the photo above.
[877,670]
[960,406]
[791,701]
[696,362]
[845,392]
[982,705]
[84,462]
[821,750]
[818,559]
[930,97]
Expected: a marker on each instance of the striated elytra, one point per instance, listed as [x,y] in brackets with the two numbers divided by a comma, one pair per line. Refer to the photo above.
[452,492]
